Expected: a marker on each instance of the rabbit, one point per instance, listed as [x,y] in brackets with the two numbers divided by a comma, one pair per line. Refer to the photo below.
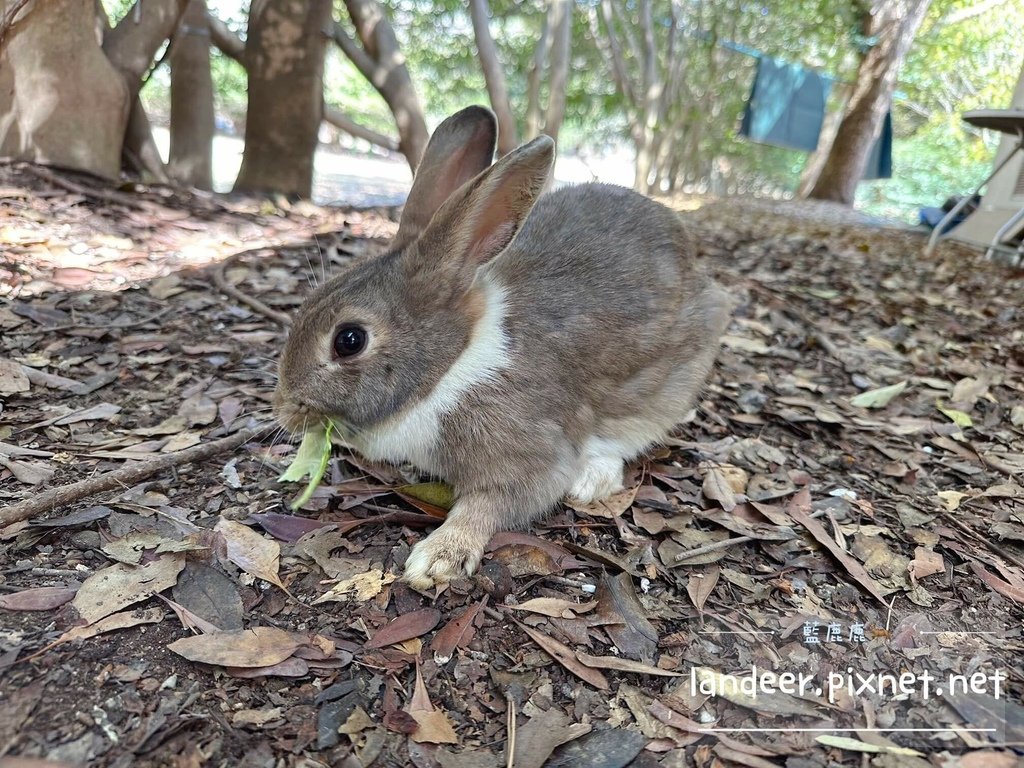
[520,346]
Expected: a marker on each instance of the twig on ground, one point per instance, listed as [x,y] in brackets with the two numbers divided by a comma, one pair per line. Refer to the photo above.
[510,727]
[109,195]
[55,498]
[724,543]
[109,327]
[222,283]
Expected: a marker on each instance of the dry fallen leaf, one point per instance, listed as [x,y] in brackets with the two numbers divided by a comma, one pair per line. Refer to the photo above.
[359,588]
[434,725]
[925,563]
[120,585]
[700,585]
[251,552]
[541,734]
[620,664]
[1013,591]
[797,509]
[110,623]
[854,745]
[457,633]
[718,487]
[255,647]
[28,472]
[12,378]
[405,627]
[564,656]
[554,606]
[732,688]
[37,598]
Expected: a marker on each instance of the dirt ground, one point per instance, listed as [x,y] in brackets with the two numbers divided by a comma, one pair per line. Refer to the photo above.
[824,568]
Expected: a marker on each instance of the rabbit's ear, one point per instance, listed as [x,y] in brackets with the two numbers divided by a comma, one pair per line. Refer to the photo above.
[461,147]
[477,224]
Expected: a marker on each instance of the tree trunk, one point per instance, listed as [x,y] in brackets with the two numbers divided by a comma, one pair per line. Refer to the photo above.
[562,31]
[534,76]
[61,101]
[894,23]
[644,140]
[284,56]
[381,62]
[192,120]
[494,76]
[140,148]
[816,160]
[133,43]
[139,37]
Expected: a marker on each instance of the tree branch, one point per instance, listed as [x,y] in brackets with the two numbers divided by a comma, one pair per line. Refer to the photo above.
[366,65]
[133,43]
[56,498]
[969,13]
[534,75]
[494,76]
[228,42]
[352,128]
[614,51]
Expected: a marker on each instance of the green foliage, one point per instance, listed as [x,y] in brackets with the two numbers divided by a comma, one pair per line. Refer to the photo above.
[962,59]
[954,66]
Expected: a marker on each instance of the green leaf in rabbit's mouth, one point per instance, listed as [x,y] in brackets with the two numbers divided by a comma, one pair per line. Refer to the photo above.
[309,461]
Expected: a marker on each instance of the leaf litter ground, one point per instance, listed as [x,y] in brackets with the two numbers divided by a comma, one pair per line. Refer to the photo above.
[845,504]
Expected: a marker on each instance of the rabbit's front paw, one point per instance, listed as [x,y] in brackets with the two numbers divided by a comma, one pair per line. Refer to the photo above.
[599,478]
[446,554]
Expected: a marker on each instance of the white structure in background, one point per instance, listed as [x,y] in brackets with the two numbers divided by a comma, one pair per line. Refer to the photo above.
[997,225]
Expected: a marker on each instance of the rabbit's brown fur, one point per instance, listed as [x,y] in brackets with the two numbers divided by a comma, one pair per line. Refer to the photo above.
[519,357]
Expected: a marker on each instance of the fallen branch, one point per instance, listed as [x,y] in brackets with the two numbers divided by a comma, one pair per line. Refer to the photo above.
[55,498]
[726,543]
[226,287]
[107,327]
[99,194]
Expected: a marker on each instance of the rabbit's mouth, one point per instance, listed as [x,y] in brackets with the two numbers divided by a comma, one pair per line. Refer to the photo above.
[299,418]
[296,417]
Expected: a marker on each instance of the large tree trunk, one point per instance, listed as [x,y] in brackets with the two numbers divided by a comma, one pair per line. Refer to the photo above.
[285,60]
[894,23]
[494,76]
[192,119]
[561,26]
[816,160]
[131,47]
[61,100]
[380,60]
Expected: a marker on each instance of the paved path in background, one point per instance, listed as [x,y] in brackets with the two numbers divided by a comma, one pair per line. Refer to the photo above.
[352,179]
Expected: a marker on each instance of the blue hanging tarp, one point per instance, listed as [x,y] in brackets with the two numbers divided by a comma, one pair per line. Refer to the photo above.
[880,160]
[786,106]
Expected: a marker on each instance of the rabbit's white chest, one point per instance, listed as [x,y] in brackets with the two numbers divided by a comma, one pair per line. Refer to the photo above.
[413,435]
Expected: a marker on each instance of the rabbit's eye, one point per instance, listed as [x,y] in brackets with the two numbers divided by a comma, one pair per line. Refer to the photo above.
[349,340]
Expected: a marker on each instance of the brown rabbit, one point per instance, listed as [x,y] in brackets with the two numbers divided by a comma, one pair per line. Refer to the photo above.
[520,349]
